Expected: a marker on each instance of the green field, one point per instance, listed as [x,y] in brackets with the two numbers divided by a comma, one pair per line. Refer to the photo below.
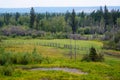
[81,45]
[58,56]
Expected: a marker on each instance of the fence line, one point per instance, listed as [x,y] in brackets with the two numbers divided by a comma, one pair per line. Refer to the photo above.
[52,44]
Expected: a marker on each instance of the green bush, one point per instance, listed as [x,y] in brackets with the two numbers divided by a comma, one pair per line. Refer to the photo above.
[3,58]
[7,70]
[114,42]
[13,58]
[25,58]
[7,57]
[36,57]
[22,58]
[60,35]
[19,58]
[93,56]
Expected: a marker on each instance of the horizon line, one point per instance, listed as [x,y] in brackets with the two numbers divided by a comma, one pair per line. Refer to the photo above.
[60,6]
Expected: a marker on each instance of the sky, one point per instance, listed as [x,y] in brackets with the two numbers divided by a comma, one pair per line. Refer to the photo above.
[56,3]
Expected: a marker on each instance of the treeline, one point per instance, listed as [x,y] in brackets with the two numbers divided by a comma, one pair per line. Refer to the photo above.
[99,21]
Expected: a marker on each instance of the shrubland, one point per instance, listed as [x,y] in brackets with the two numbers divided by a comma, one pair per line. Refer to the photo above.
[26,54]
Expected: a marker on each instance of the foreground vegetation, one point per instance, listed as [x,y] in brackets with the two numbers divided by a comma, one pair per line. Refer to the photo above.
[55,57]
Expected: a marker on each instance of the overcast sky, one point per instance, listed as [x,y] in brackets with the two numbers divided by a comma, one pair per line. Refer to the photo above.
[56,3]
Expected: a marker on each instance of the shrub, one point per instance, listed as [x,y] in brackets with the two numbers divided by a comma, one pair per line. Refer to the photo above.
[47,60]
[23,58]
[3,58]
[19,58]
[13,58]
[7,70]
[114,42]
[109,45]
[14,31]
[6,57]
[80,31]
[36,58]
[60,35]
[93,56]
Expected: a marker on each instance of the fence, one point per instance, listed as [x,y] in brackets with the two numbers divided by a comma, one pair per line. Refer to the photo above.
[50,44]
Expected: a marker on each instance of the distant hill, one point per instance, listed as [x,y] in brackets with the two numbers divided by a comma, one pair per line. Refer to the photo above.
[54,9]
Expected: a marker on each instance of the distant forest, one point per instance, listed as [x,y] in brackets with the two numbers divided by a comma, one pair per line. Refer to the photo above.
[98,21]
[58,25]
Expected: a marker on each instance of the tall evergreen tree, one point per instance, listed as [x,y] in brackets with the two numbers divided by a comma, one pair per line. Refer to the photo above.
[82,19]
[99,14]
[6,18]
[106,18]
[32,17]
[67,15]
[114,16]
[73,22]
[17,15]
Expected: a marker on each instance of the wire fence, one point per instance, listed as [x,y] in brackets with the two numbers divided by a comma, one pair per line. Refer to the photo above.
[48,44]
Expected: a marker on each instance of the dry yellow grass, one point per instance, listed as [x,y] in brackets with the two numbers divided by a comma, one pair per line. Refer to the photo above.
[45,51]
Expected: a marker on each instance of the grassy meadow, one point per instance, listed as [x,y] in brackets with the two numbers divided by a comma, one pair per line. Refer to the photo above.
[55,54]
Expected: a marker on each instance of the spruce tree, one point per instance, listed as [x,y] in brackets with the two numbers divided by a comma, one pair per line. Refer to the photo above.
[32,17]
[17,15]
[67,15]
[73,22]
[93,54]
[106,18]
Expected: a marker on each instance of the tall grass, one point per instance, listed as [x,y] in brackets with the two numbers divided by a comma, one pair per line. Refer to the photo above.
[19,58]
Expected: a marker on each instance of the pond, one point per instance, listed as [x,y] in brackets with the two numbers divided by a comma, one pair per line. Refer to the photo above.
[69,70]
